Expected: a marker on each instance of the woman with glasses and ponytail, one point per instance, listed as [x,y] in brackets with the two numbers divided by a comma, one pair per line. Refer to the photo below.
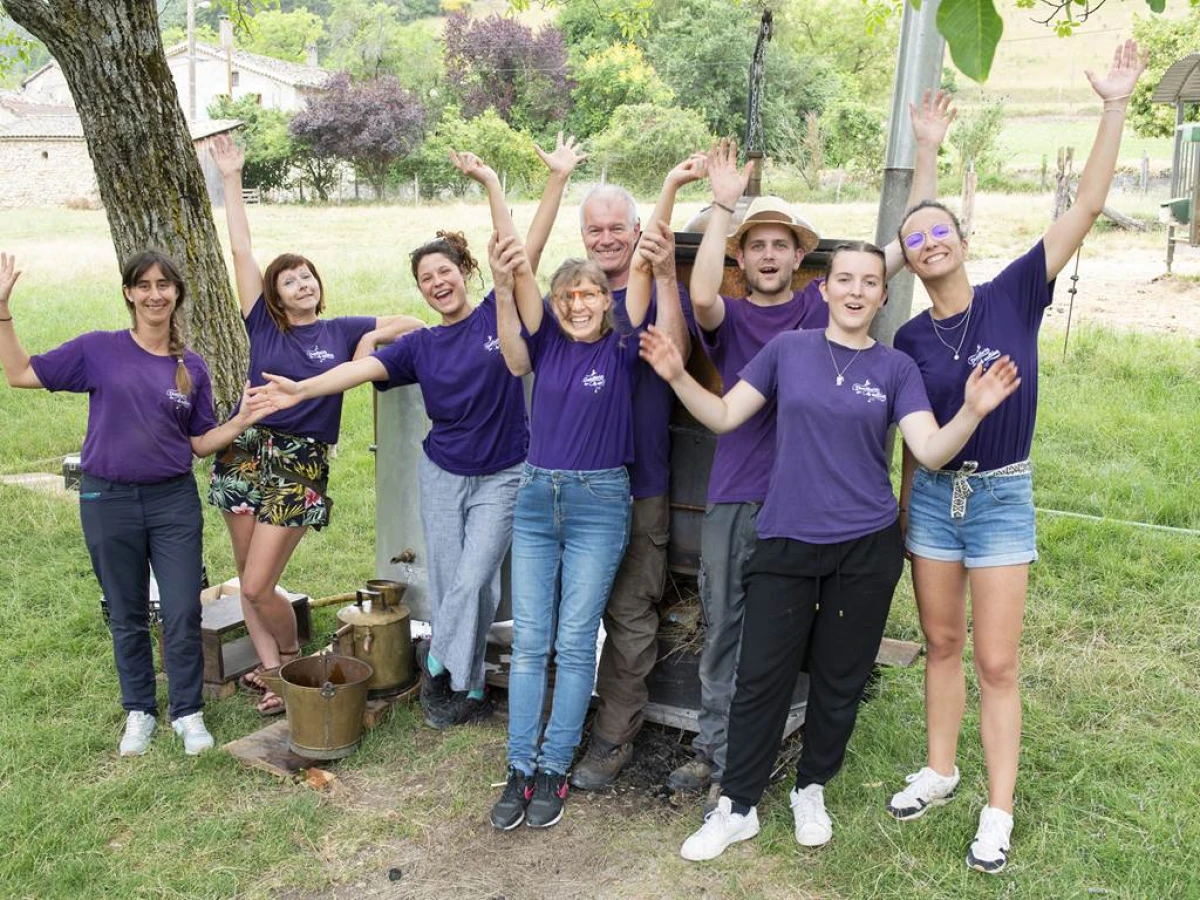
[970,524]
[149,412]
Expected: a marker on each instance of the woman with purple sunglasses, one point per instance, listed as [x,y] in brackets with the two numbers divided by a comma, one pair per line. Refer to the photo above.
[972,522]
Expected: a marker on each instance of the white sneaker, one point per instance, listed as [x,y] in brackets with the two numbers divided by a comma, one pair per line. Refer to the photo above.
[925,789]
[196,738]
[721,828]
[989,851]
[139,728]
[813,828]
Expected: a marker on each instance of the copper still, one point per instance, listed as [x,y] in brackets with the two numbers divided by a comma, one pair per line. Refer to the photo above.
[375,629]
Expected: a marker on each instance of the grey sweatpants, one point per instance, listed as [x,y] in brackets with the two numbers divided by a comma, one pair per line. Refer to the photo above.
[727,540]
[467,521]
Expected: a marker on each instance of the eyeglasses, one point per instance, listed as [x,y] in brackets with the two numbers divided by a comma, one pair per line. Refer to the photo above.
[588,297]
[938,232]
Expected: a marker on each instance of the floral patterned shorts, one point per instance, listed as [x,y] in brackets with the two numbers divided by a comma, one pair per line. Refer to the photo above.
[279,478]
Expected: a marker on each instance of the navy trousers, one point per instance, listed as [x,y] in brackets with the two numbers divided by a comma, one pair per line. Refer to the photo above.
[128,529]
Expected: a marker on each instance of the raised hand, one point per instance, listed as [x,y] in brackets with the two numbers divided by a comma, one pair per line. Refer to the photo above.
[691,169]
[229,157]
[565,156]
[985,392]
[662,354]
[9,273]
[1127,66]
[506,256]
[728,184]
[656,250]
[472,166]
[932,118]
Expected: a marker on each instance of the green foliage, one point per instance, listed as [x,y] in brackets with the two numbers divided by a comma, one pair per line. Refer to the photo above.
[856,40]
[509,152]
[283,35]
[643,142]
[854,136]
[270,152]
[616,76]
[591,26]
[972,29]
[975,138]
[1165,41]
[368,38]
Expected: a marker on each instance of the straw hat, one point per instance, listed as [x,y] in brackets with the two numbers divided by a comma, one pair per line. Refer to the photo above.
[764,210]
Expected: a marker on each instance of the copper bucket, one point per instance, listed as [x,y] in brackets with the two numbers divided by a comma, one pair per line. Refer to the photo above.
[326,696]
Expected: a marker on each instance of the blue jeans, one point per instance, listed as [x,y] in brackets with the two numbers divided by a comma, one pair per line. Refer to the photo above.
[569,529]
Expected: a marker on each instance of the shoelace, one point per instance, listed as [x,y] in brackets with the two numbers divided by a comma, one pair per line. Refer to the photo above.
[991,837]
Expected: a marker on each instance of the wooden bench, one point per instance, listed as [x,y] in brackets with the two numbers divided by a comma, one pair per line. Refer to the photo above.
[228,651]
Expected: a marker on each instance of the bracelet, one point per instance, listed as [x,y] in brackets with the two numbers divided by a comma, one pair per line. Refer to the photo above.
[720,205]
[1109,109]
[9,319]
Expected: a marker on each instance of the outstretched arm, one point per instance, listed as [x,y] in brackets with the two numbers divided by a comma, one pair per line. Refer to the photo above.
[1063,238]
[929,123]
[655,259]
[721,414]
[505,256]
[13,357]
[933,447]
[280,393]
[561,163]
[230,159]
[387,328]
[728,184]
[223,435]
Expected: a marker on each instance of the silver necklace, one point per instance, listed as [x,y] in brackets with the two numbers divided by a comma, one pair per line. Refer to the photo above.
[965,324]
[842,371]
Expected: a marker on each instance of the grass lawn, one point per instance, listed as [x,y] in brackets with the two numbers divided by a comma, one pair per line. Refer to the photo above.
[1111,664]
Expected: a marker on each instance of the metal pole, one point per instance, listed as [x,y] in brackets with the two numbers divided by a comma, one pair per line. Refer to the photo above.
[918,68]
[191,42]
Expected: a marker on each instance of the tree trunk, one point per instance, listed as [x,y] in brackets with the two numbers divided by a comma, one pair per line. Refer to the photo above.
[146,168]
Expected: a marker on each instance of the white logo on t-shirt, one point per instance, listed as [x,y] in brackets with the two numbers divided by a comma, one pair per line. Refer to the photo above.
[594,380]
[492,344]
[985,355]
[179,398]
[871,392]
[317,355]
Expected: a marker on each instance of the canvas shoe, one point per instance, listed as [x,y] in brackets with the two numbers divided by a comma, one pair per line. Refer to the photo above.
[549,798]
[721,828]
[693,775]
[139,728]
[601,765]
[813,828]
[509,811]
[989,851]
[196,738]
[925,789]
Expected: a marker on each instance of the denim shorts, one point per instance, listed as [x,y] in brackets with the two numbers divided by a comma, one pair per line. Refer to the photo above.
[996,526]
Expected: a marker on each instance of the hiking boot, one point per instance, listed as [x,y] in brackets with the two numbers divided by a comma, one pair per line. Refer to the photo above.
[989,851]
[813,828]
[549,797]
[721,828]
[196,738]
[139,728]
[601,765]
[509,810]
[436,694]
[925,789]
[460,709]
[693,775]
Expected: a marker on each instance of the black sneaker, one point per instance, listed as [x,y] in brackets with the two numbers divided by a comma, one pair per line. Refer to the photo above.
[549,797]
[436,694]
[509,810]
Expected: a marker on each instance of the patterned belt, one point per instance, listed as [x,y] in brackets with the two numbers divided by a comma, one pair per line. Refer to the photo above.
[961,488]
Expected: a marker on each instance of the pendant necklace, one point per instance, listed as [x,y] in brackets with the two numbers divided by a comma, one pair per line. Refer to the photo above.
[965,324]
[842,371]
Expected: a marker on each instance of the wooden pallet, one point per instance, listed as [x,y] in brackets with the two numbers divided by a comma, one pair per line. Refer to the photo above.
[268,749]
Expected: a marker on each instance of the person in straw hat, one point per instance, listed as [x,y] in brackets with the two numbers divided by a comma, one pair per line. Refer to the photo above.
[769,245]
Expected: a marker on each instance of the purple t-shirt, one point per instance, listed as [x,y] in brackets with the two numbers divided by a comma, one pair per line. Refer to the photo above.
[1005,315]
[742,463]
[139,424]
[476,405]
[650,473]
[302,352]
[582,399]
[830,479]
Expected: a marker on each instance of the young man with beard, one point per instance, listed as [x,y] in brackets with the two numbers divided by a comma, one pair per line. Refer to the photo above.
[769,245]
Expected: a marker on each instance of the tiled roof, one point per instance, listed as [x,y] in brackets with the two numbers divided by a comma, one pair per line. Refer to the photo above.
[296,74]
[69,126]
